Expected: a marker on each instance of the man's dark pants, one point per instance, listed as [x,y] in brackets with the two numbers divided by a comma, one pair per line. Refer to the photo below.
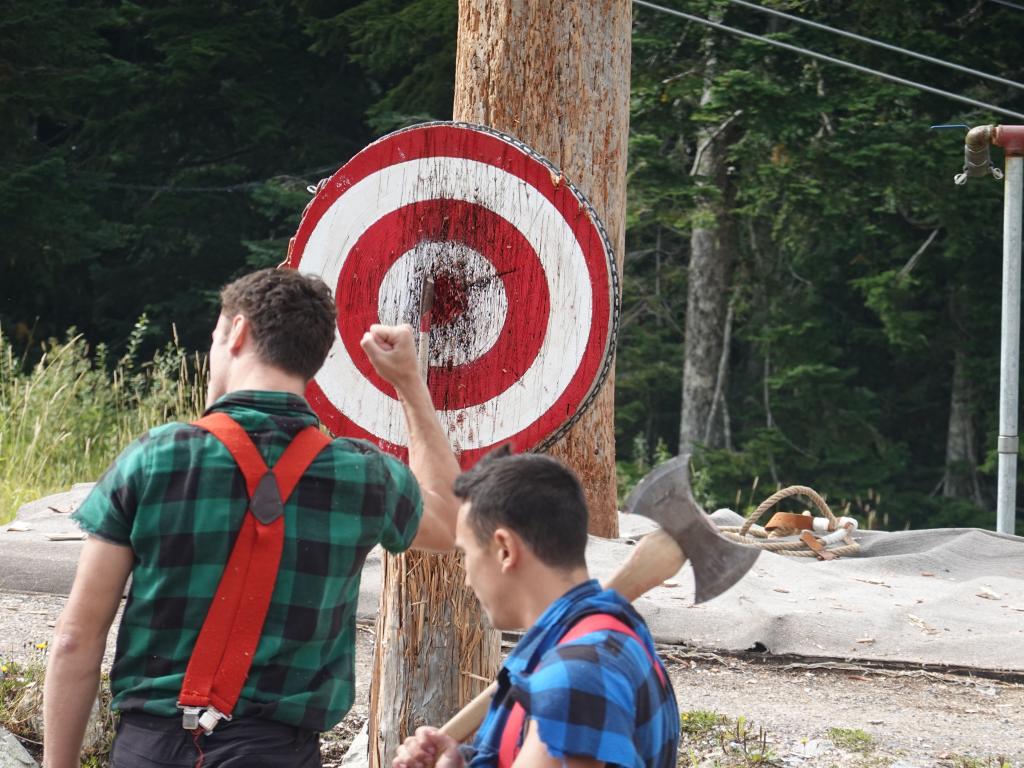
[147,741]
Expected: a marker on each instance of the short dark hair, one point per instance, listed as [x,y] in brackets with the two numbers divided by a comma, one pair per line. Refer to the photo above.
[292,315]
[533,495]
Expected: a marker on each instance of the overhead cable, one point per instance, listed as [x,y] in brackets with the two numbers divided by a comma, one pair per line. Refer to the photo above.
[830,59]
[1008,4]
[878,43]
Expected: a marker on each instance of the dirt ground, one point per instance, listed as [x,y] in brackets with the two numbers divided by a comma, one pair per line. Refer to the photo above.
[795,714]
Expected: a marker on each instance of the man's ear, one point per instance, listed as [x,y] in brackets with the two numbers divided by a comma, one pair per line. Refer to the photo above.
[508,548]
[238,333]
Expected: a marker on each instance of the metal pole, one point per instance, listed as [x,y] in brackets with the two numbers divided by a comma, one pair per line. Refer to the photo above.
[1009,356]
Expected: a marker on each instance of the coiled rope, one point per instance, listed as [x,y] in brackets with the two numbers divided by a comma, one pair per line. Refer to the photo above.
[785,539]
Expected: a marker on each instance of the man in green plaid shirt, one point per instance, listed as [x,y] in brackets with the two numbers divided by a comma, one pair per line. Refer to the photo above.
[168,510]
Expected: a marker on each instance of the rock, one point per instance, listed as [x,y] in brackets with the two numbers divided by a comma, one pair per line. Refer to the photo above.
[12,754]
[358,754]
[40,548]
[813,748]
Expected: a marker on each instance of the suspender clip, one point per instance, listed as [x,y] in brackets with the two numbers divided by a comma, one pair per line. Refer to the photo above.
[190,717]
[209,719]
[193,718]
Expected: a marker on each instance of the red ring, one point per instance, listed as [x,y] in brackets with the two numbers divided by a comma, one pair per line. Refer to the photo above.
[493,237]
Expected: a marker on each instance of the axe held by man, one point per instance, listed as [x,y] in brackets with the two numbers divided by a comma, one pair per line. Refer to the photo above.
[584,686]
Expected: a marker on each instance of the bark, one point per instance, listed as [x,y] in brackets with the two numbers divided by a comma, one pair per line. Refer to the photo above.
[960,479]
[434,649]
[712,246]
[556,75]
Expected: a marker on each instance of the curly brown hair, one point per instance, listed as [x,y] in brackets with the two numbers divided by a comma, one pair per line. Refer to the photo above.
[292,315]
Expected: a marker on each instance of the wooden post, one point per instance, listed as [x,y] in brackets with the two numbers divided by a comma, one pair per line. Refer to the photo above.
[434,652]
[556,76]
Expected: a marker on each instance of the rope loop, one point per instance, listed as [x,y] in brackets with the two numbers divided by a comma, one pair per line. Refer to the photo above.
[785,493]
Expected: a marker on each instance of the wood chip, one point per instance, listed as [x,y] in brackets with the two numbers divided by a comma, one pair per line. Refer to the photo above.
[922,625]
[878,583]
[65,536]
[17,527]
[988,594]
[780,589]
[865,640]
[927,573]
[670,584]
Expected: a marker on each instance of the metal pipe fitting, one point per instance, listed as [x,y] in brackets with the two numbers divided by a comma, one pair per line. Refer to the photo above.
[977,156]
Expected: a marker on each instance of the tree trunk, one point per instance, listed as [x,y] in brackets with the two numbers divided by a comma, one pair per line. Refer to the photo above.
[960,479]
[712,245]
[434,649]
[556,75]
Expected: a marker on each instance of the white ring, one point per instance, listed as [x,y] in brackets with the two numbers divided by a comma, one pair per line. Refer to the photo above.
[471,334]
[548,233]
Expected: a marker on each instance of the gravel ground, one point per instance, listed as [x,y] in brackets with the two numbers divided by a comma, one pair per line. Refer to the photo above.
[845,716]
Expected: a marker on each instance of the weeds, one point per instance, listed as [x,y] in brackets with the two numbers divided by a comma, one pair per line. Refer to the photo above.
[710,738]
[748,746]
[851,739]
[67,418]
[699,722]
[21,708]
[967,761]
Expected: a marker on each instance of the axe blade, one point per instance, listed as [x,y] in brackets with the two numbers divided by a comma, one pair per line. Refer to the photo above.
[664,496]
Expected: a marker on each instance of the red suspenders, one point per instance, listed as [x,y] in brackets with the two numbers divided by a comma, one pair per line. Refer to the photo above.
[511,735]
[226,644]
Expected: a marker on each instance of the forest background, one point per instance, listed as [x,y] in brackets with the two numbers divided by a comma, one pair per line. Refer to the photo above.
[848,292]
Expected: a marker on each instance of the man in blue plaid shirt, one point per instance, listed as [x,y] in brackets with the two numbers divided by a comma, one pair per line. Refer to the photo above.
[568,694]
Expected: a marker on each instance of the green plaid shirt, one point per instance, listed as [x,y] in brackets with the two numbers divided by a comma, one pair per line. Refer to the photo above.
[177,498]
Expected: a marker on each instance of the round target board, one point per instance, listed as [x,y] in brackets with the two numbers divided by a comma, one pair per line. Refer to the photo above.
[525,310]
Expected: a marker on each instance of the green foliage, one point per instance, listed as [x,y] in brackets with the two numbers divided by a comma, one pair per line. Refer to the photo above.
[861,269]
[699,722]
[852,739]
[65,418]
[150,153]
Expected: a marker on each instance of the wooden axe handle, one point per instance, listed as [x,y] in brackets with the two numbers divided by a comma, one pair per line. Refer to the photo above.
[654,559]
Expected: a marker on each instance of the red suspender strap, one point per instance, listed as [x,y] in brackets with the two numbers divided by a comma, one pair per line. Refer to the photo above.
[226,644]
[511,737]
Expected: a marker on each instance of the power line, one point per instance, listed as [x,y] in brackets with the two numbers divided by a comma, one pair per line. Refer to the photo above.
[1008,4]
[879,43]
[829,59]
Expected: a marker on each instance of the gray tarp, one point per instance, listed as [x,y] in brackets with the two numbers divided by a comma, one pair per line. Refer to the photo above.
[952,596]
[940,596]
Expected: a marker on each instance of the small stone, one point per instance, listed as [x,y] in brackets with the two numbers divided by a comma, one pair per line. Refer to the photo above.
[12,754]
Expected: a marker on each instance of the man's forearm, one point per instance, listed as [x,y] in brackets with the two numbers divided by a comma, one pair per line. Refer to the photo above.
[72,681]
[432,462]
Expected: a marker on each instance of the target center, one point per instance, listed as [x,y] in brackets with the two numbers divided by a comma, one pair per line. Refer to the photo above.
[451,297]
[470,302]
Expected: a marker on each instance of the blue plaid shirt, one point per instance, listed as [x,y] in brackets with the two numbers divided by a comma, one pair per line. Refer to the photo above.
[597,696]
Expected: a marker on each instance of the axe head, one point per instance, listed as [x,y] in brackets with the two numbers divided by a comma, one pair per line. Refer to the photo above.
[664,496]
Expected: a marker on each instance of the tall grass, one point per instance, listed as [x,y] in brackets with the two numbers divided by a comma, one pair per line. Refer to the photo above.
[64,419]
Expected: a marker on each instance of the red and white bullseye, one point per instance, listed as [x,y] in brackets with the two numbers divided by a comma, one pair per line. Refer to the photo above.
[524,307]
